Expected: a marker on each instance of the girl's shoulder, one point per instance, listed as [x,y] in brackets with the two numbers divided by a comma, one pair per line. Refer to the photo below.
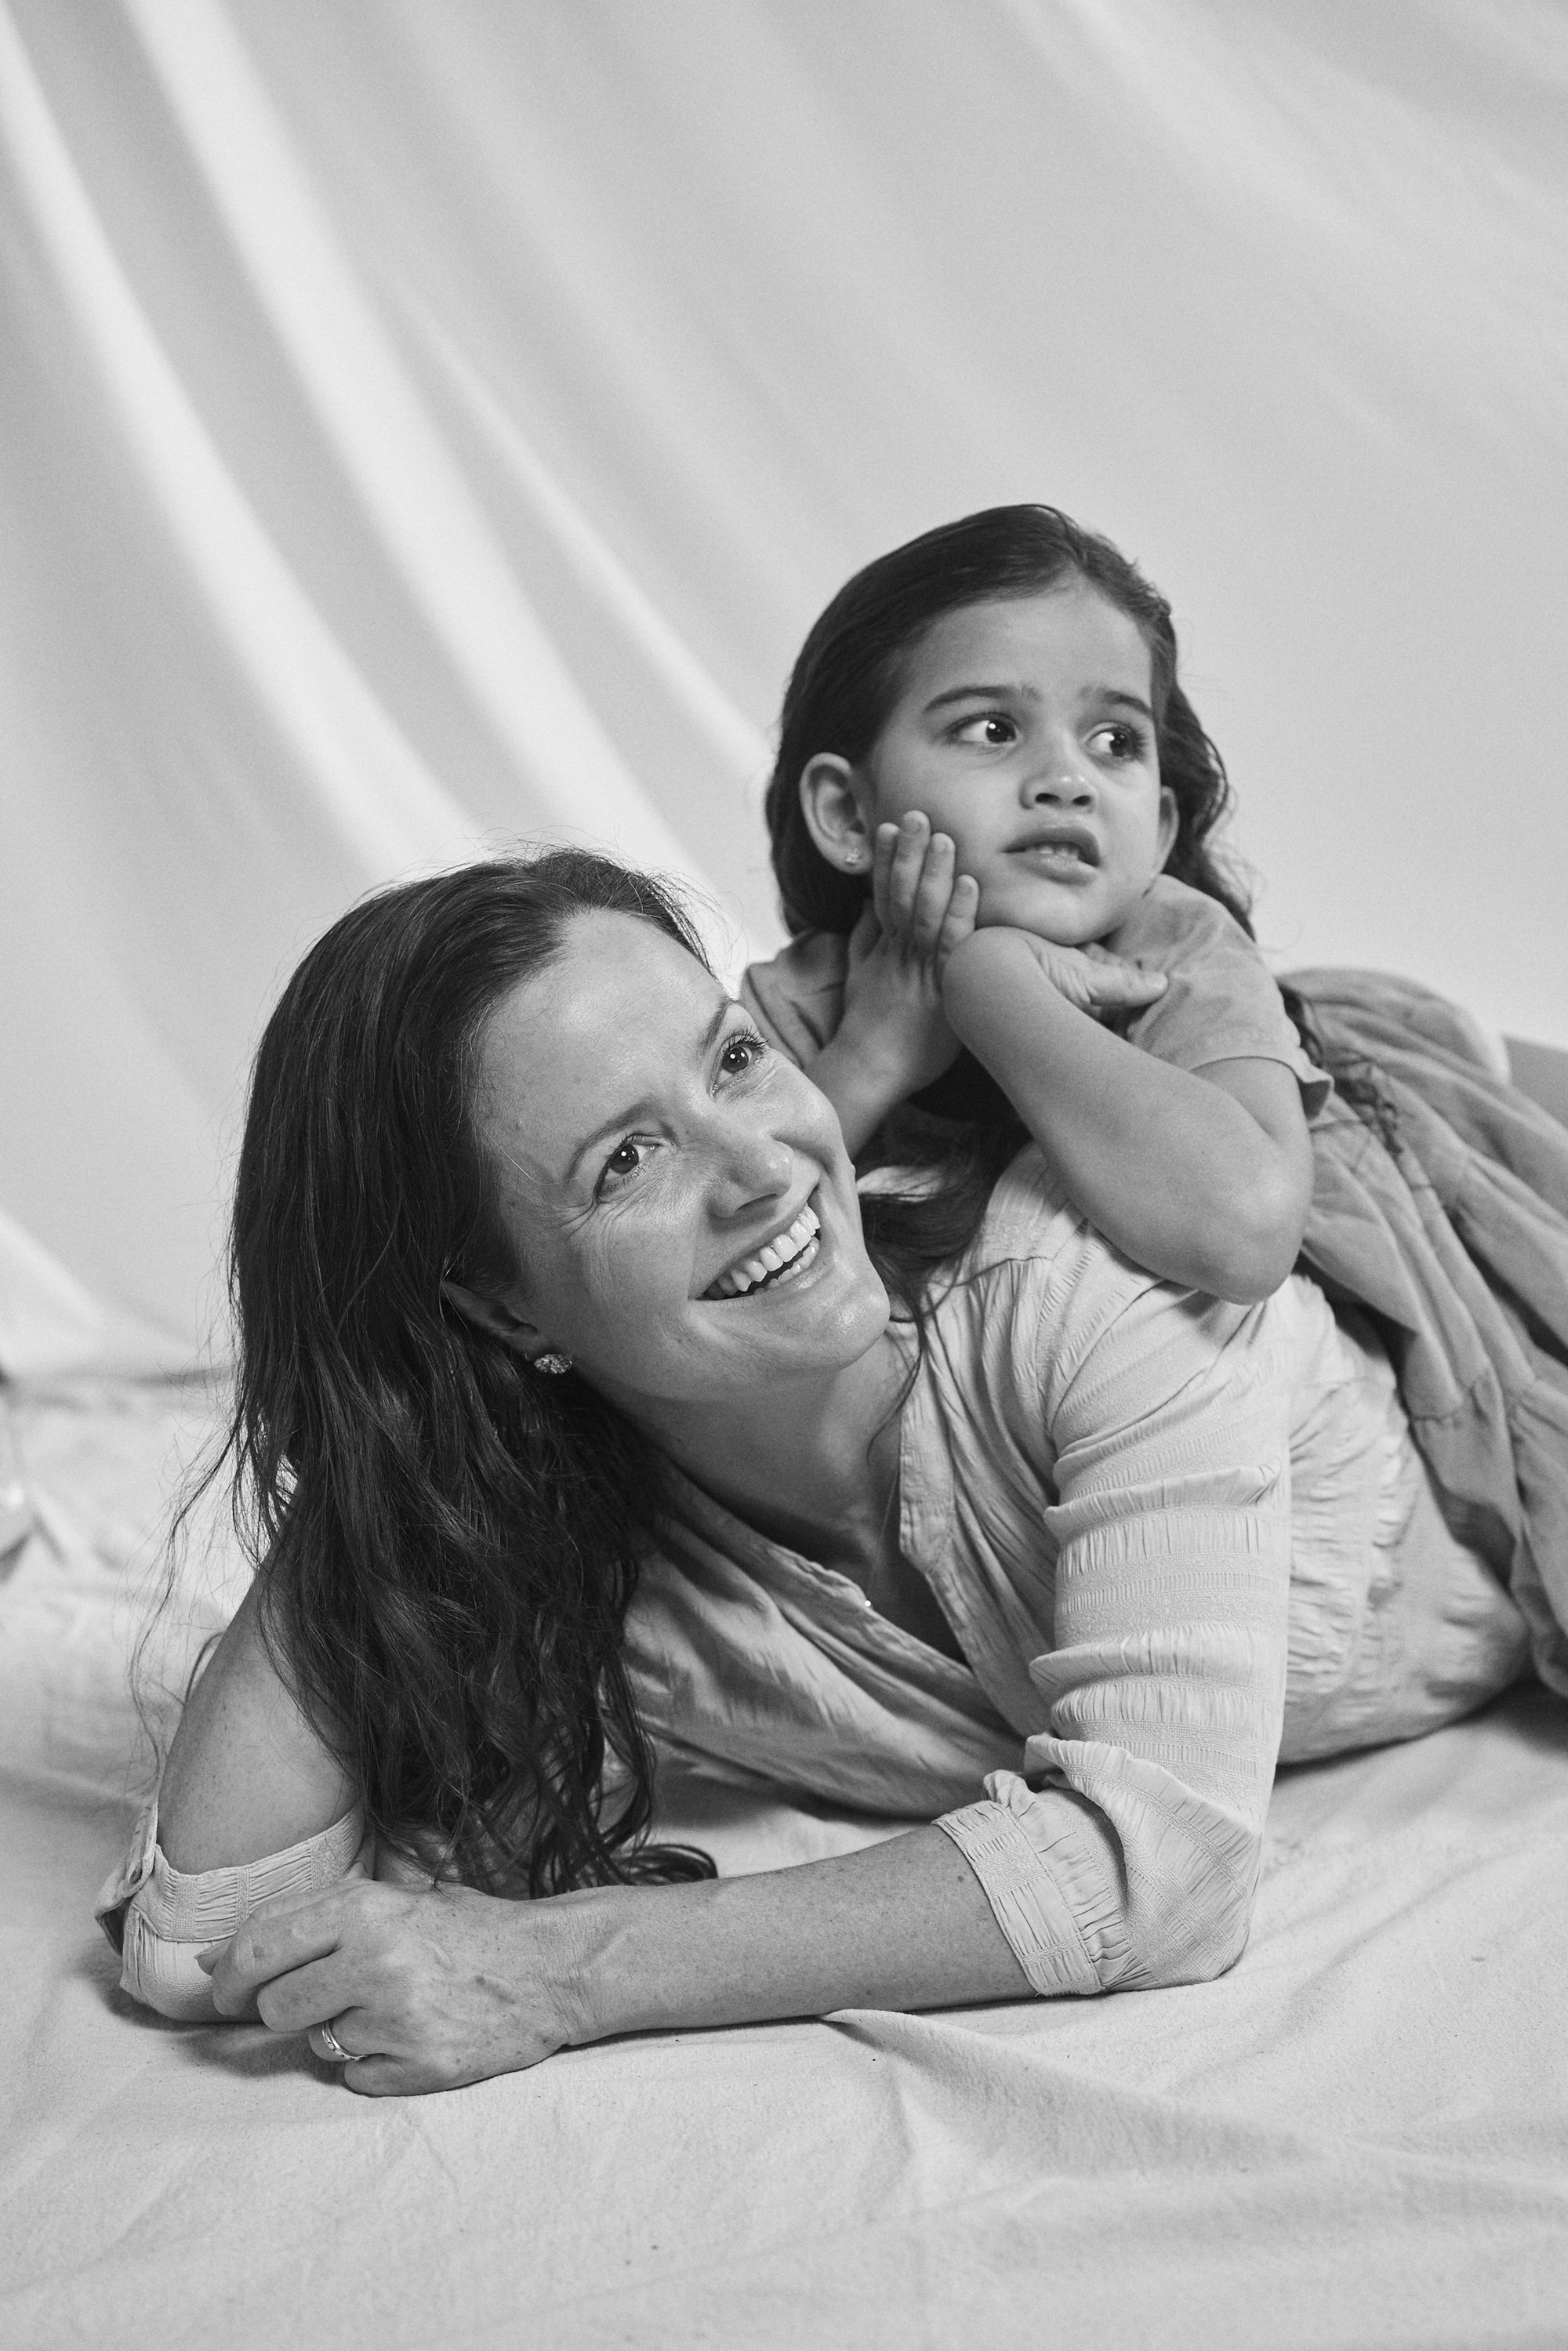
[1223,1003]
[1172,924]
[797,997]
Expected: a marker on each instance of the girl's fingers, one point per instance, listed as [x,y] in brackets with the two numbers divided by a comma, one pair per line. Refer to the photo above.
[959,920]
[883,848]
[1122,983]
[903,879]
[933,895]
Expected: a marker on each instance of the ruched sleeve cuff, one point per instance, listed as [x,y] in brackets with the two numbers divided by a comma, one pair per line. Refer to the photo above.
[1027,1895]
[158,1917]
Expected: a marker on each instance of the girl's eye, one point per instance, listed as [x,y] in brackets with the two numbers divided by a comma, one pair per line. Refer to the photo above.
[993,730]
[741,1052]
[1119,742]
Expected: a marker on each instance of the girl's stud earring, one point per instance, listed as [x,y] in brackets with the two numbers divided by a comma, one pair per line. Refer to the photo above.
[553,1362]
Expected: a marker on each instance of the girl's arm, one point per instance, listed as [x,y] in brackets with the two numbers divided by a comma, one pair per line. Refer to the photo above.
[1204,1177]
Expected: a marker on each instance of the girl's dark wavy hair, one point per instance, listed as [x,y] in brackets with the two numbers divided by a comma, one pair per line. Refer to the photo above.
[446,1541]
[842,693]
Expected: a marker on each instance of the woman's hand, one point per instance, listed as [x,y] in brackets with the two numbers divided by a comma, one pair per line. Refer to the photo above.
[894,1037]
[426,1989]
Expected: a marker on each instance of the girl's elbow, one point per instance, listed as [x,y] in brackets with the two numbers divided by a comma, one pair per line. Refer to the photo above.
[1259,1242]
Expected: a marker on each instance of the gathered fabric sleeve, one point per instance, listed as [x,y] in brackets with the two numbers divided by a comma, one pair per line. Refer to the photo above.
[158,1917]
[1126,1851]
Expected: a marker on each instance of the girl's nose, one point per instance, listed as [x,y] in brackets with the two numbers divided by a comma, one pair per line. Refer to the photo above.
[1060,780]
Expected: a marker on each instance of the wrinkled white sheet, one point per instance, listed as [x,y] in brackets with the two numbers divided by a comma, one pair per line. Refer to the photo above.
[1359,2137]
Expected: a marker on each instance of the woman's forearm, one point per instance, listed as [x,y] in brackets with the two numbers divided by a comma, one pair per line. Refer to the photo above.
[1170,1168]
[904,1924]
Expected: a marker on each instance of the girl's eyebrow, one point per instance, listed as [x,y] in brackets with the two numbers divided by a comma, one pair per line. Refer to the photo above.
[622,1118]
[1018,693]
[968,693]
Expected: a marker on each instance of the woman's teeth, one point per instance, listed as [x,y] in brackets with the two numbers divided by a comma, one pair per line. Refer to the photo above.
[780,1262]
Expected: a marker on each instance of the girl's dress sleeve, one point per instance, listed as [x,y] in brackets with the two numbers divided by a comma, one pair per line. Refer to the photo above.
[1126,1851]
[158,1917]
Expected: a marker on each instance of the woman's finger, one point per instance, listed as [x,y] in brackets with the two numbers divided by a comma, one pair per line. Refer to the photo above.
[278,1937]
[310,1995]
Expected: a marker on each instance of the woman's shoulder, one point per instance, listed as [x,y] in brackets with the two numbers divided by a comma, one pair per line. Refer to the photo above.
[247,1775]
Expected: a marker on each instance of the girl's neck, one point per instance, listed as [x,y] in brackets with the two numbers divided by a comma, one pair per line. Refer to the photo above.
[812,1465]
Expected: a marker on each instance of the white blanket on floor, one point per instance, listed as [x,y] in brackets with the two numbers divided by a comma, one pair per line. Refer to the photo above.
[1358,2136]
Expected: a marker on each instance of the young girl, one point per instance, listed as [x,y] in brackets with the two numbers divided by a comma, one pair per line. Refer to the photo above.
[990,817]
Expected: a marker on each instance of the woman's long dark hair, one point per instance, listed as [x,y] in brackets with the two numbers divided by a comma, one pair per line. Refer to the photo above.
[446,1540]
[841,694]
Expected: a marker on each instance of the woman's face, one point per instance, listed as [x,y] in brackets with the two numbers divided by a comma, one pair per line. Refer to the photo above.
[648,1148]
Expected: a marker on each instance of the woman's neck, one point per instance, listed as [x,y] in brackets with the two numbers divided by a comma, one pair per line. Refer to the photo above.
[812,1465]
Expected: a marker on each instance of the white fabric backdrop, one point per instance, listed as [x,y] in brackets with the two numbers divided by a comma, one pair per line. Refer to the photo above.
[429,420]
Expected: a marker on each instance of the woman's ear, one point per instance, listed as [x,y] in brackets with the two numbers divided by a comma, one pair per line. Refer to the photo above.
[829,802]
[498,1320]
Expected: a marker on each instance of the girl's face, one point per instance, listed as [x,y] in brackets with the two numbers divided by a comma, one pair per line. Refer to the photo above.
[677,1195]
[1024,728]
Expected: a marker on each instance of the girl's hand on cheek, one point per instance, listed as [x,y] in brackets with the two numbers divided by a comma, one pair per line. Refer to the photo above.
[921,909]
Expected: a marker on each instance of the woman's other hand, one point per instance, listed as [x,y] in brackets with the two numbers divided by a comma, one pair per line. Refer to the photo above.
[426,1989]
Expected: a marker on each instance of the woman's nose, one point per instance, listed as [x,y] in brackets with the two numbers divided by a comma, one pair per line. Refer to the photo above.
[750,1166]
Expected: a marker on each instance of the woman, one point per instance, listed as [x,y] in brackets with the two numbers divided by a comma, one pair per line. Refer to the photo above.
[574,1414]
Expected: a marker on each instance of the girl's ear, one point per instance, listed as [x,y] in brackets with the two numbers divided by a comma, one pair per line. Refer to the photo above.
[498,1320]
[1170,823]
[831,806]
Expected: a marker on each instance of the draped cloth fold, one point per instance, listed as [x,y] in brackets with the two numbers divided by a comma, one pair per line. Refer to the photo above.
[1454,1237]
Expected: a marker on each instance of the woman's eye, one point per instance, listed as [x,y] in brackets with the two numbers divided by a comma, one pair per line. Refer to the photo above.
[1122,743]
[624,1160]
[993,730]
[741,1052]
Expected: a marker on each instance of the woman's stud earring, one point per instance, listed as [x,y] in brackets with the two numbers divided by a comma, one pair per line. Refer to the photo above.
[553,1362]
[852,855]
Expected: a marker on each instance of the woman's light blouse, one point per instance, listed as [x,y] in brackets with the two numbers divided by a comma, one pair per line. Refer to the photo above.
[1174,1538]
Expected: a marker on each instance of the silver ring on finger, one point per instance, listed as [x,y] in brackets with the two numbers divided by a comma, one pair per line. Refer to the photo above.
[332,2048]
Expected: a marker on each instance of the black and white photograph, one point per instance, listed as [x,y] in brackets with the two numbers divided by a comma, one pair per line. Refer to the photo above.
[784,1174]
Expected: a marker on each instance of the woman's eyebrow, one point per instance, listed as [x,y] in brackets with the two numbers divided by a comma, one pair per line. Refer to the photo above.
[622,1119]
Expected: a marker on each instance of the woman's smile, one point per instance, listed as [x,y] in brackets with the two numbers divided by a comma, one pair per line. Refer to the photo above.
[789,1255]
